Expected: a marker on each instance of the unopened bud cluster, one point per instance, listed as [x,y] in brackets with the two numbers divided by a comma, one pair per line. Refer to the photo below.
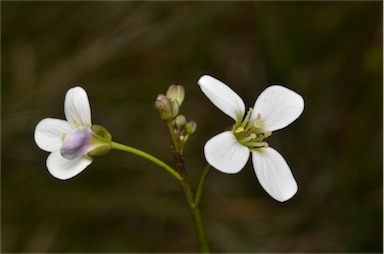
[168,106]
[183,129]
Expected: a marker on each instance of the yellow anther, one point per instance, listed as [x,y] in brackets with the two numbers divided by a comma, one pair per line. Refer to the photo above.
[253,135]
[77,124]
[239,129]
[267,134]
[265,144]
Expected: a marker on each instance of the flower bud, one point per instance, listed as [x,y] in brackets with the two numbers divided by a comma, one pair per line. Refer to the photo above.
[166,108]
[176,93]
[180,121]
[190,127]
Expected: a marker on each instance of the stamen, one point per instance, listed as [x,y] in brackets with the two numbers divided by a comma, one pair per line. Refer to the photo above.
[250,134]
[259,138]
[239,129]
[245,140]
[255,144]
[246,119]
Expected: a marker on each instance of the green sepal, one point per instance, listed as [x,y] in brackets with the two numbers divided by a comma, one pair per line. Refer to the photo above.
[101,141]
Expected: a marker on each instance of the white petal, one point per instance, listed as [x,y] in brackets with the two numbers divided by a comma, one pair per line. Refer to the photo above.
[274,174]
[49,132]
[278,107]
[222,97]
[225,153]
[64,169]
[76,107]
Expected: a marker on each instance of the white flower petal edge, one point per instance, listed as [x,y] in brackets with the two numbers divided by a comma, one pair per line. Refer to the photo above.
[224,153]
[274,174]
[49,132]
[278,107]
[64,169]
[222,97]
[76,107]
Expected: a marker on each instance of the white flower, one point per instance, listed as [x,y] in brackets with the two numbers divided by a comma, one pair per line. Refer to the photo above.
[228,152]
[70,141]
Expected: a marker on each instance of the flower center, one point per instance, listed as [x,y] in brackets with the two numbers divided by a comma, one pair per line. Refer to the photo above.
[250,133]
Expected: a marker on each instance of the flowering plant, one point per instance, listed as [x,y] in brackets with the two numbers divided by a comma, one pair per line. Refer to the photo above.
[76,142]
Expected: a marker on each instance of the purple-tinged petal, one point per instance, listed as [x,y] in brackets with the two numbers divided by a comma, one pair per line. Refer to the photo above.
[224,153]
[49,132]
[274,174]
[76,143]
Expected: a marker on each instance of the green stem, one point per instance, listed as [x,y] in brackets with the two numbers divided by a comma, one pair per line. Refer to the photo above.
[195,210]
[147,156]
[186,185]
[183,178]
[202,181]
[175,144]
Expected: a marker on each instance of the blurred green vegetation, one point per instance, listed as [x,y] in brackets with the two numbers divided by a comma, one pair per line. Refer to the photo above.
[124,54]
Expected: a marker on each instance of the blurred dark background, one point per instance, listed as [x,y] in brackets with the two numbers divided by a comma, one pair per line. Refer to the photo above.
[124,54]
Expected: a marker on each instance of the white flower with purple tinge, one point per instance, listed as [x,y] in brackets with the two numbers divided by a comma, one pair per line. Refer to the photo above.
[228,152]
[70,142]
